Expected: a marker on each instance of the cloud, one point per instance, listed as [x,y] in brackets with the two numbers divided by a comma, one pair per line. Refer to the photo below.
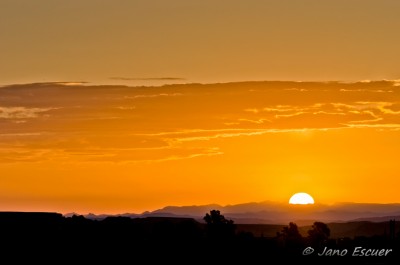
[154,95]
[378,126]
[72,83]
[396,82]
[252,110]
[125,107]
[174,137]
[172,134]
[13,155]
[21,112]
[365,121]
[205,152]
[47,121]
[111,155]
[259,121]
[330,114]
[384,107]
[148,78]
[290,115]
[296,89]
[280,108]
[20,134]
[366,90]
[44,84]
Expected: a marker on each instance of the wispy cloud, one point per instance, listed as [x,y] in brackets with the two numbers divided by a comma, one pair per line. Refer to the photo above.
[280,108]
[205,153]
[204,135]
[290,115]
[125,107]
[396,82]
[44,84]
[259,121]
[384,107]
[148,78]
[296,89]
[379,126]
[365,121]
[46,121]
[366,90]
[20,134]
[154,95]
[252,110]
[239,133]
[21,112]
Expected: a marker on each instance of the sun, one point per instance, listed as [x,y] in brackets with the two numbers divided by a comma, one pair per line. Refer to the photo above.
[301,198]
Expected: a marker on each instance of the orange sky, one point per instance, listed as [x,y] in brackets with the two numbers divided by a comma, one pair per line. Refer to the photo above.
[113,149]
[203,41]
[69,145]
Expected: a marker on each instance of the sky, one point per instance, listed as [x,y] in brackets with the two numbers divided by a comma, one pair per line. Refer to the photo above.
[127,106]
[111,149]
[137,42]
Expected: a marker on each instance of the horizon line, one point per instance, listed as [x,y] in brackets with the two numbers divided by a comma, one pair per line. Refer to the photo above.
[64,213]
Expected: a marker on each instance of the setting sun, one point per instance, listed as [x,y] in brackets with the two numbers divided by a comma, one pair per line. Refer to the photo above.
[301,198]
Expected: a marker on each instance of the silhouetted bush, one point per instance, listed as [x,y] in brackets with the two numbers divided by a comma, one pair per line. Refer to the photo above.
[218,226]
[318,235]
[290,237]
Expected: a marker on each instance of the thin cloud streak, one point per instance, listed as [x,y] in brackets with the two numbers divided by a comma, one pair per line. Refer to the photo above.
[378,126]
[154,95]
[21,112]
[43,84]
[148,78]
[249,133]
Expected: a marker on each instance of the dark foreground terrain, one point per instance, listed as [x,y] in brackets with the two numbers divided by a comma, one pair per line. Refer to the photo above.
[51,237]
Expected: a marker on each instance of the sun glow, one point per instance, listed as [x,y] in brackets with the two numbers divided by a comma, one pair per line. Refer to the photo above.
[301,198]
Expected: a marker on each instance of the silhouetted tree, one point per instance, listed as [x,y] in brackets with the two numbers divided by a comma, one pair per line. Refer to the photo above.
[291,236]
[319,234]
[218,226]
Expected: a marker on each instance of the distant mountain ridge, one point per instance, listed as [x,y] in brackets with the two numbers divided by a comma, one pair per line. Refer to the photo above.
[277,213]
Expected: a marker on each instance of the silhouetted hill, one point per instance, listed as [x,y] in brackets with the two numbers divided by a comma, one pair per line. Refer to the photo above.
[378,219]
[42,236]
[278,213]
[32,217]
